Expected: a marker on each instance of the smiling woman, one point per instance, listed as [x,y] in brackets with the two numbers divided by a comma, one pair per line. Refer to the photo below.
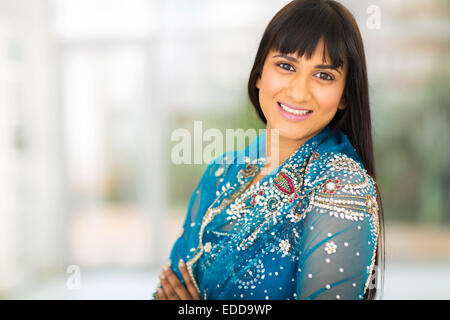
[298,216]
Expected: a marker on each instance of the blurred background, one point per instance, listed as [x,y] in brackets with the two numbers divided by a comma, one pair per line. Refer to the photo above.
[90,92]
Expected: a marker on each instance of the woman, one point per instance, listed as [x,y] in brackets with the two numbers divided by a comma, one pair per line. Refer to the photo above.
[301,217]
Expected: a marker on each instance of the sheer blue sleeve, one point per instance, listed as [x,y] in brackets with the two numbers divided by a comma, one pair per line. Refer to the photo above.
[337,250]
[201,198]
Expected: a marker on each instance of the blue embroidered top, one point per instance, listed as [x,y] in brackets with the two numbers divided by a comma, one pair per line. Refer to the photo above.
[307,230]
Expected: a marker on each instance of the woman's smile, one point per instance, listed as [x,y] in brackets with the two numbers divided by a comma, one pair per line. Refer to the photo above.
[293,114]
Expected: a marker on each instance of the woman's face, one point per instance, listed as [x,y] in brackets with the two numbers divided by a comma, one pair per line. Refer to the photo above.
[291,83]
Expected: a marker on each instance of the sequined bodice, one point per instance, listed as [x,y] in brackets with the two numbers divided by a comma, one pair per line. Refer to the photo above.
[308,230]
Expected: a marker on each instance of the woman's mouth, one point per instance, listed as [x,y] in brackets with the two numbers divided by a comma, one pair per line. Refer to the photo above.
[293,114]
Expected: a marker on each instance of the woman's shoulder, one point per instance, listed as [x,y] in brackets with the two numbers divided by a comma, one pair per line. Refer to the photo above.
[338,166]
[340,181]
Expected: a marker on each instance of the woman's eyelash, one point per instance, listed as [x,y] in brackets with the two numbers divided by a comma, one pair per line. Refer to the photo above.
[329,78]
[282,63]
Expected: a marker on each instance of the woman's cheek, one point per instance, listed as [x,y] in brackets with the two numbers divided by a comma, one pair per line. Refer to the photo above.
[269,87]
[328,99]
[273,83]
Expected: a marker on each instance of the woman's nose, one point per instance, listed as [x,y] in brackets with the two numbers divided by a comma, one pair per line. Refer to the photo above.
[299,88]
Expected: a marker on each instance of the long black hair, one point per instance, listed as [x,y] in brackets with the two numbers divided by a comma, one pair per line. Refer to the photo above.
[297,28]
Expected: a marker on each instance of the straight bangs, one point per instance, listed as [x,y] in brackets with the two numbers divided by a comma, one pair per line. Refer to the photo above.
[301,32]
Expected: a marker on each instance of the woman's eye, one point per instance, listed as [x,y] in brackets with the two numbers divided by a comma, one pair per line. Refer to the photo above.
[325,76]
[288,67]
[281,65]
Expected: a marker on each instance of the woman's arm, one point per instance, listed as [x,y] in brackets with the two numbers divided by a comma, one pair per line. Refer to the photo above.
[203,194]
[337,250]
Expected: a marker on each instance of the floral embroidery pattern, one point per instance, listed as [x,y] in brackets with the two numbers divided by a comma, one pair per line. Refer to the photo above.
[264,211]
[285,246]
[208,247]
[250,170]
[252,276]
[331,186]
[344,163]
[284,183]
[330,247]
[315,156]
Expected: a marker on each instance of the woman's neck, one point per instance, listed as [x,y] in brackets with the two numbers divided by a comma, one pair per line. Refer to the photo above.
[278,149]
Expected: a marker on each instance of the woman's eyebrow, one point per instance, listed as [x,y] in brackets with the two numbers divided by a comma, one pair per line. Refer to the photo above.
[323,66]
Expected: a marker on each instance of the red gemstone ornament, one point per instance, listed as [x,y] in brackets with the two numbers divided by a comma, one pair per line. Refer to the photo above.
[284,183]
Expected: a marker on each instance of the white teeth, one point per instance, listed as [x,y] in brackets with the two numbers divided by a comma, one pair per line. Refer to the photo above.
[296,112]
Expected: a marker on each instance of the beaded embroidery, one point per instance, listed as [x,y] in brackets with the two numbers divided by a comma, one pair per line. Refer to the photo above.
[275,208]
